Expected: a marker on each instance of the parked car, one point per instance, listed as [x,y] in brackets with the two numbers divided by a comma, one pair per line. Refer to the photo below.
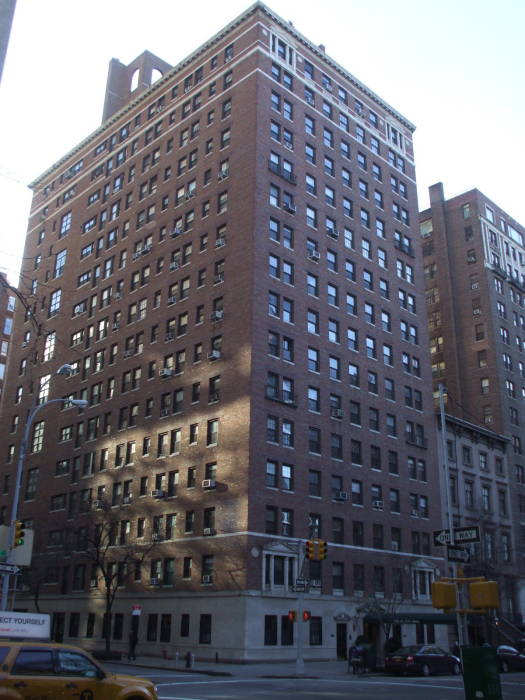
[423,659]
[31,670]
[510,659]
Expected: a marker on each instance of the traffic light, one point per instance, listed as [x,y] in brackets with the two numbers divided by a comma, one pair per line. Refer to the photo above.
[443,595]
[309,550]
[484,595]
[306,615]
[19,534]
[323,549]
[292,615]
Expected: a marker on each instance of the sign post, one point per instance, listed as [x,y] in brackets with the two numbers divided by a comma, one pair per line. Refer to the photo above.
[461,534]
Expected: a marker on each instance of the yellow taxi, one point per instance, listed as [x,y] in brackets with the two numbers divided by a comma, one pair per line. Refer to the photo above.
[38,671]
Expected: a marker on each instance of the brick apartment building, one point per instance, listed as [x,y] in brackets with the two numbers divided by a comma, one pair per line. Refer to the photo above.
[474,268]
[231,264]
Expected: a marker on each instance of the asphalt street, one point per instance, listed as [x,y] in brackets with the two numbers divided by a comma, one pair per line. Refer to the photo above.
[174,685]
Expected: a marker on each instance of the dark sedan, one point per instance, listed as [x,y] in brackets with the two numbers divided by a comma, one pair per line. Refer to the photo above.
[423,659]
[510,659]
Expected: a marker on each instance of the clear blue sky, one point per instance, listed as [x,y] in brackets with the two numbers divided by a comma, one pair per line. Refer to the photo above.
[453,67]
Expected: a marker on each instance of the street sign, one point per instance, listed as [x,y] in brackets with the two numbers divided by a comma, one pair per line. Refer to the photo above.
[458,554]
[136,609]
[9,569]
[461,534]
[301,581]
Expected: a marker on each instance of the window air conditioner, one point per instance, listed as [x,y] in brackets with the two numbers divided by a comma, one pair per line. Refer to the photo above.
[157,493]
[208,483]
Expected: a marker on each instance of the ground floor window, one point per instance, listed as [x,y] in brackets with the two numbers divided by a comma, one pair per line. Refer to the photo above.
[74,620]
[316,631]
[270,630]
[151,634]
[118,626]
[205,629]
[286,631]
[90,625]
[165,628]
[185,625]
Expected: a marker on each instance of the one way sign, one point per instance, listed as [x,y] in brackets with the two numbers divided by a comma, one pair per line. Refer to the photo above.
[461,534]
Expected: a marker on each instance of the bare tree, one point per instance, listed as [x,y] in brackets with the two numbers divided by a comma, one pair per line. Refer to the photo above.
[114,557]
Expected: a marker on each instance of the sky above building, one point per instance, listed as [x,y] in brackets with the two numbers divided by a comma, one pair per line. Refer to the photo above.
[454,68]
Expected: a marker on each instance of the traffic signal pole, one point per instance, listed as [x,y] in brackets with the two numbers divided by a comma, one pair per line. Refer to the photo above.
[299,661]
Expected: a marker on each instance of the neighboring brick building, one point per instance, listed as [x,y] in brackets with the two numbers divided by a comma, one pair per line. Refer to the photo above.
[479,492]
[474,258]
[231,264]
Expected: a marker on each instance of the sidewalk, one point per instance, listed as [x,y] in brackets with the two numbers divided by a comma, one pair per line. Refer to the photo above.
[312,669]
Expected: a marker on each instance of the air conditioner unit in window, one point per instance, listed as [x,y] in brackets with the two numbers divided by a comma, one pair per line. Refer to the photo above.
[190,194]
[213,397]
[208,483]
[414,513]
[126,500]
[337,413]
[340,496]
[128,353]
[118,295]
[332,232]
[223,174]
[206,578]
[174,265]
[115,326]
[315,583]
[207,531]
[172,300]
[156,537]
[146,249]
[220,242]
[169,336]
[157,493]
[217,315]
[378,505]
[176,232]
[98,503]
[165,372]
[394,546]
[164,412]
[154,581]
[314,255]
[136,255]
[218,278]
[289,207]
[214,355]
[288,145]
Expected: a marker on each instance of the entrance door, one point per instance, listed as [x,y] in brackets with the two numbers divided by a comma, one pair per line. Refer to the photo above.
[341,640]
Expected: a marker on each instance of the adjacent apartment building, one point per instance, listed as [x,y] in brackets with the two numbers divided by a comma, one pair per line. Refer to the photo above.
[231,265]
[474,268]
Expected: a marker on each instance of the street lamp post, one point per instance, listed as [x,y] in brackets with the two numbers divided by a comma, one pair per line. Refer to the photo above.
[81,403]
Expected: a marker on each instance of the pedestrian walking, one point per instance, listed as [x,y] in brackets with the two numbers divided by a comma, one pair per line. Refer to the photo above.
[355,659]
